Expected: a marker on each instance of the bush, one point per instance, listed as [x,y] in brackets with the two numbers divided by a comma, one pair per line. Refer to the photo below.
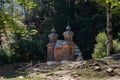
[116,46]
[100,47]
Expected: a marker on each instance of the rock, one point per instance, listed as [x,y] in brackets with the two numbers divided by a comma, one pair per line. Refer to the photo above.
[116,56]
[75,75]
[20,77]
[36,69]
[115,66]
[1,77]
[117,71]
[94,64]
[31,75]
[79,58]
[51,63]
[60,68]
[77,66]
[64,62]
[97,68]
[60,75]
[110,70]
[44,71]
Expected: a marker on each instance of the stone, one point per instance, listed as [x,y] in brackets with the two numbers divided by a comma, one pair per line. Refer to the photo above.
[110,70]
[20,77]
[77,66]
[1,77]
[31,75]
[60,68]
[36,69]
[95,64]
[97,68]
[117,71]
[79,58]
[116,56]
[75,75]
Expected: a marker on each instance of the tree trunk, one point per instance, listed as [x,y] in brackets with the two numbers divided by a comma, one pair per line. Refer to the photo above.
[2,50]
[109,45]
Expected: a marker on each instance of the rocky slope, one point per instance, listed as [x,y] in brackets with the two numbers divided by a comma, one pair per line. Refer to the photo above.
[95,69]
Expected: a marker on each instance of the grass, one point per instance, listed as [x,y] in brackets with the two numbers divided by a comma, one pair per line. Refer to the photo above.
[35,78]
[11,74]
[89,73]
[22,79]
[84,78]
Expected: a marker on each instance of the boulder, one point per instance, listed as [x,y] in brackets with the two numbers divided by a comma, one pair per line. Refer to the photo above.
[97,68]
[20,77]
[110,70]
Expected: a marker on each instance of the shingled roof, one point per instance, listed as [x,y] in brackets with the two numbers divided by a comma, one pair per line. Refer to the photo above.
[59,45]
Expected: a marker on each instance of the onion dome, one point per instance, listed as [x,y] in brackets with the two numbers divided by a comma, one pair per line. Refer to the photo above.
[53,30]
[53,33]
[68,32]
[68,28]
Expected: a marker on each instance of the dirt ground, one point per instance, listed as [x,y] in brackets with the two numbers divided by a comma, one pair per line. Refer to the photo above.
[82,70]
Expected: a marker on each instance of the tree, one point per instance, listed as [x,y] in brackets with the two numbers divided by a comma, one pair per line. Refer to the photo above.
[109,45]
[109,5]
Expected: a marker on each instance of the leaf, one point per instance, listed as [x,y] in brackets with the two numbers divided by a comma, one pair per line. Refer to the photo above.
[107,1]
[31,5]
[8,1]
[32,32]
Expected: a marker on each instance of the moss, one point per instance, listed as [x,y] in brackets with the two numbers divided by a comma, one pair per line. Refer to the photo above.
[89,73]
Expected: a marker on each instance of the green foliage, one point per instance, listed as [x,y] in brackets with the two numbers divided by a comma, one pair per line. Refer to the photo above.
[27,3]
[7,27]
[28,44]
[7,22]
[119,34]
[100,47]
[116,46]
[86,17]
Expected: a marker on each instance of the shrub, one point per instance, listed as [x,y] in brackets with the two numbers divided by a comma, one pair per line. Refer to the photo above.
[116,46]
[100,47]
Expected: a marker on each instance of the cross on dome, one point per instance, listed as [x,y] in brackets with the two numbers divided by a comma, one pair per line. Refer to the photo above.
[53,29]
[68,28]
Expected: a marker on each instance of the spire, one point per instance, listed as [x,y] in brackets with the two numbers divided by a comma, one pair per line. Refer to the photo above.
[53,29]
[68,28]
[68,34]
[53,35]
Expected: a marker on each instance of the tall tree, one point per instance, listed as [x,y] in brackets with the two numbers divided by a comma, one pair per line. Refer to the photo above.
[110,4]
[109,29]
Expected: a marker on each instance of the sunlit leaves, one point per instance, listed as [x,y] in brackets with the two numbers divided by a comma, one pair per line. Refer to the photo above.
[107,1]
[114,3]
[33,31]
[26,3]
[8,1]
[6,22]
[119,34]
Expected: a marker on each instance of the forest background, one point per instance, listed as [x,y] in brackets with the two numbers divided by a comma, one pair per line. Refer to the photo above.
[25,25]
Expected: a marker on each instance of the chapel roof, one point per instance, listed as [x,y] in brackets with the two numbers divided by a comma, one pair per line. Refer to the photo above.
[53,33]
[68,31]
[59,45]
